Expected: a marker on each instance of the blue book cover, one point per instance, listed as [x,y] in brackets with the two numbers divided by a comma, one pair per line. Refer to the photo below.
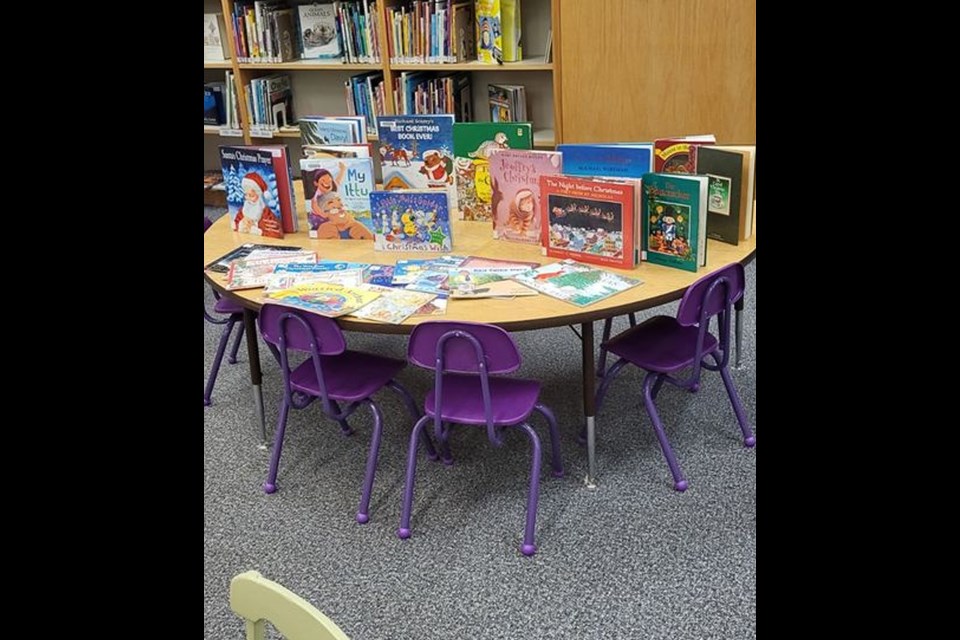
[321,130]
[411,221]
[416,152]
[607,160]
[253,202]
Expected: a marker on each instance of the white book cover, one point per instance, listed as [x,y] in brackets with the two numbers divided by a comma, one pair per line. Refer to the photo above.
[318,31]
[214,38]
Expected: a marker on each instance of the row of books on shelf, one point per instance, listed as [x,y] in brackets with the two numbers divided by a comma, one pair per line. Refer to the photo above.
[220,104]
[393,293]
[432,31]
[608,204]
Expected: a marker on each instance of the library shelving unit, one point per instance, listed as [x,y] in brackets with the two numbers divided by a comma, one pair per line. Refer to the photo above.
[318,85]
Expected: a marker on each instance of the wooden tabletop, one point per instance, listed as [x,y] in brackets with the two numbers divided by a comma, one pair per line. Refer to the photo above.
[660,284]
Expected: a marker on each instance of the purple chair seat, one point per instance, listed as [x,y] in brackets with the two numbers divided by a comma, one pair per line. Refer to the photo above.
[661,344]
[512,400]
[227,306]
[349,376]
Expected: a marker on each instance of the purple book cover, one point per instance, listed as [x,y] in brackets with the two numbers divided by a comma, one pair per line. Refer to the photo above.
[515,179]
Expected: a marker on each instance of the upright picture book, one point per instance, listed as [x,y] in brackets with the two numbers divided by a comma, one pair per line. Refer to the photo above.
[318,31]
[215,45]
[324,130]
[473,145]
[253,202]
[609,160]
[417,153]
[517,203]
[679,155]
[408,220]
[337,192]
[489,32]
[674,220]
[727,172]
[589,220]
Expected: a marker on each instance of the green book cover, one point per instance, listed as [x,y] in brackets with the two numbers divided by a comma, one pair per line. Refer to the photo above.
[473,142]
[674,218]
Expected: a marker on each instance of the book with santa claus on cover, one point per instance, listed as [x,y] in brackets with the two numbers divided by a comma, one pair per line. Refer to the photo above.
[253,202]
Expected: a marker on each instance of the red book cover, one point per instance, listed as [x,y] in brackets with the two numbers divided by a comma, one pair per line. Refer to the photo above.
[588,220]
[281,167]
[678,155]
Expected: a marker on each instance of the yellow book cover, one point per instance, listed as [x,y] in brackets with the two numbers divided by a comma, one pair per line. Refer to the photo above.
[510,21]
[489,32]
[325,298]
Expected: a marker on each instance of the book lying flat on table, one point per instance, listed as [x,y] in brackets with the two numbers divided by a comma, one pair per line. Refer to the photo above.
[222,264]
[325,298]
[575,282]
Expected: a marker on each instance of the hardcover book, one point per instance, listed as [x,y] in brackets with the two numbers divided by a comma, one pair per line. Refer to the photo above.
[589,220]
[337,192]
[678,155]
[726,191]
[215,47]
[473,145]
[674,220]
[417,153]
[575,282]
[222,264]
[318,31]
[489,32]
[253,202]
[411,221]
[320,130]
[611,160]
[748,193]
[516,200]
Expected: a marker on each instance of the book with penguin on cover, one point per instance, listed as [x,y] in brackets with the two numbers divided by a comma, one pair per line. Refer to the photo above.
[253,202]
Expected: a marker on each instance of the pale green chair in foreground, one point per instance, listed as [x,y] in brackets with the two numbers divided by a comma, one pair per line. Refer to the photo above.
[258,600]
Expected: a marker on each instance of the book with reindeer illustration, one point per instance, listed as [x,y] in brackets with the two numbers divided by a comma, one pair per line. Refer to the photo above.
[416,152]
[515,184]
[473,144]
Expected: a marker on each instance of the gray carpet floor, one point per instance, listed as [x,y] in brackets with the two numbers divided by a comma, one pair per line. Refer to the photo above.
[629,559]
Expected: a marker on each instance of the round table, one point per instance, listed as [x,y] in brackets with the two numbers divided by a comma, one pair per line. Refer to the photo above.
[660,285]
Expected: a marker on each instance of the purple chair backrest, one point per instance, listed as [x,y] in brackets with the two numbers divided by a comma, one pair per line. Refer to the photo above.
[704,300]
[459,355]
[206,223]
[300,330]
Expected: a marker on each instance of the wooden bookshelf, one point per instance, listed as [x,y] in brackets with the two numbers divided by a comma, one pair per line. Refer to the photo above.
[218,64]
[310,65]
[533,64]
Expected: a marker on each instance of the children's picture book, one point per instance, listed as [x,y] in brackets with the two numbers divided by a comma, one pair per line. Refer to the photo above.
[679,155]
[436,307]
[285,192]
[393,306]
[479,262]
[336,193]
[215,45]
[433,279]
[674,220]
[407,271]
[253,202]
[748,189]
[411,221]
[486,283]
[323,130]
[516,201]
[510,26]
[325,298]
[473,144]
[252,273]
[416,152]
[489,32]
[627,160]
[222,264]
[318,31]
[379,274]
[575,282]
[336,150]
[726,191]
[589,220]
[285,276]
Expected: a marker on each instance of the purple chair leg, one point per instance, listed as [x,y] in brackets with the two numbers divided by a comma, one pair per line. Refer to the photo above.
[345,428]
[363,514]
[217,360]
[270,486]
[679,483]
[556,460]
[415,412]
[528,548]
[236,346]
[404,531]
[749,440]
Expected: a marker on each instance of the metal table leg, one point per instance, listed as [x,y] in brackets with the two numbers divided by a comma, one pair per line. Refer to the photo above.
[256,376]
[589,408]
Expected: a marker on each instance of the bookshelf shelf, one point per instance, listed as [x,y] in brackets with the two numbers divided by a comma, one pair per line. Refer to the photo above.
[291,133]
[544,138]
[217,64]
[214,130]
[531,64]
[310,65]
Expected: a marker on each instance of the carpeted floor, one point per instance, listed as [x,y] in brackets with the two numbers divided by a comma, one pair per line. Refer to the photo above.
[631,559]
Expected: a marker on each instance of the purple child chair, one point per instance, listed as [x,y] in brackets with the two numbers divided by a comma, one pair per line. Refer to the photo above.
[663,346]
[230,314]
[333,374]
[464,355]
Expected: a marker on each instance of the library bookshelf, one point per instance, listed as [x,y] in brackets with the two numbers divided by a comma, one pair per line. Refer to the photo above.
[318,86]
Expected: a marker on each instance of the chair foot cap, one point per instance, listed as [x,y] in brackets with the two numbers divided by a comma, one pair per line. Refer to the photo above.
[207,402]
[433,456]
[681,486]
[447,461]
[269,487]
[528,549]
[363,518]
[750,442]
[558,473]
[402,533]
[232,360]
